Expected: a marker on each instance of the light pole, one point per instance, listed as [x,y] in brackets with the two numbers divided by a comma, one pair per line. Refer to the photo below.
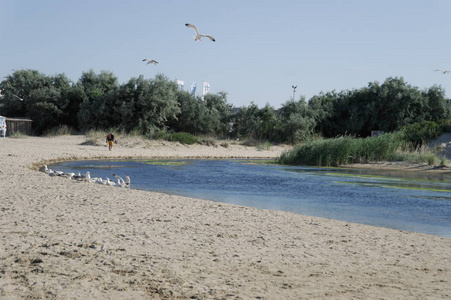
[294,91]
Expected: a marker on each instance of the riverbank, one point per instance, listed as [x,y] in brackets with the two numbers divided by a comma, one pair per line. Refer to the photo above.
[402,166]
[71,240]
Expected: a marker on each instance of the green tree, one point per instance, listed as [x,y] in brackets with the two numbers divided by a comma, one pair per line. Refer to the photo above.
[219,113]
[399,104]
[194,115]
[44,99]
[48,105]
[297,122]
[436,104]
[157,105]
[322,110]
[387,107]
[98,92]
[247,122]
[269,123]
[17,88]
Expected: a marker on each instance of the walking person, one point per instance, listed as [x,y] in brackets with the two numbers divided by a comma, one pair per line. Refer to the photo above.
[110,140]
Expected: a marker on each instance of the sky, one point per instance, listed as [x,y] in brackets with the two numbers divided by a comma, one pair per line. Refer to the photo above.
[263,48]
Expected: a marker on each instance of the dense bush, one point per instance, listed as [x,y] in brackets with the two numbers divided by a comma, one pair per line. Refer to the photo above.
[419,133]
[183,138]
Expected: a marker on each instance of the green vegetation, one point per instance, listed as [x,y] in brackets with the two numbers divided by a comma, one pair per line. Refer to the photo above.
[166,163]
[156,108]
[18,135]
[329,129]
[183,138]
[348,150]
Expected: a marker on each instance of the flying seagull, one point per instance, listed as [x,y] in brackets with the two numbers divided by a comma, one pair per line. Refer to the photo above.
[150,61]
[198,35]
[443,71]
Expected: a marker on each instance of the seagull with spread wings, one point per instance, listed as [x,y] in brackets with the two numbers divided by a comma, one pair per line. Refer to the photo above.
[198,35]
[443,71]
[150,61]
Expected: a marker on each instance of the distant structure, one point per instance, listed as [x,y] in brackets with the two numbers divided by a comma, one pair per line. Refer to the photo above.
[375,133]
[205,89]
[180,84]
[16,125]
[192,88]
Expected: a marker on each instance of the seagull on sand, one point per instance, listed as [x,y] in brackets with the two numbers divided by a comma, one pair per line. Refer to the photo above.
[109,182]
[88,177]
[150,61]
[443,71]
[198,35]
[79,177]
[68,175]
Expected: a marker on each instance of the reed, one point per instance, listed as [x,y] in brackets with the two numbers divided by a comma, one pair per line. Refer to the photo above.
[345,150]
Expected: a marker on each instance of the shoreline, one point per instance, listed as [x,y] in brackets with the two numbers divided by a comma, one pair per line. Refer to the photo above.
[68,240]
[401,166]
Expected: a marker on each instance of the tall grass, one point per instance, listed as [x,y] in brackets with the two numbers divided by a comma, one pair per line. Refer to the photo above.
[346,150]
[18,135]
[58,131]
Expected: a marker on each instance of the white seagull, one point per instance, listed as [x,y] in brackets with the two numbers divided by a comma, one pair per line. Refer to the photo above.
[150,61]
[121,181]
[443,71]
[100,181]
[88,177]
[198,35]
[47,170]
[68,175]
[109,182]
[127,181]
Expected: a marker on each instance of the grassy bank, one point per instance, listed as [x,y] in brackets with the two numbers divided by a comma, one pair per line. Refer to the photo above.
[348,150]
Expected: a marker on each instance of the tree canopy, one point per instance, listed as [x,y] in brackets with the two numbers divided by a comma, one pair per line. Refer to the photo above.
[98,101]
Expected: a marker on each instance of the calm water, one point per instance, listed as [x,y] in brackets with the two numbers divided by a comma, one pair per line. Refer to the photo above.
[421,203]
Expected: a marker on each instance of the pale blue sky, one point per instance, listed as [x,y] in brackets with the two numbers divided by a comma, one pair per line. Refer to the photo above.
[262,47]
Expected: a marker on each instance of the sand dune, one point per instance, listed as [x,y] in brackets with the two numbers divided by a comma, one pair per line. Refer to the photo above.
[62,239]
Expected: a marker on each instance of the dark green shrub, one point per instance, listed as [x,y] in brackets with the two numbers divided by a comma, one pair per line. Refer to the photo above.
[419,133]
[445,125]
[183,138]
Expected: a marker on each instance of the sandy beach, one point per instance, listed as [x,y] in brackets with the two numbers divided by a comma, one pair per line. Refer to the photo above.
[63,239]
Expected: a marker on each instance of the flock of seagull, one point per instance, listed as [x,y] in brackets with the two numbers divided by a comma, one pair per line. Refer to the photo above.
[197,37]
[120,182]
